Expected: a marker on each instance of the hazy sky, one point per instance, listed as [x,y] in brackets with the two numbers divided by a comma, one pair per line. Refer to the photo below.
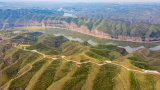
[88,0]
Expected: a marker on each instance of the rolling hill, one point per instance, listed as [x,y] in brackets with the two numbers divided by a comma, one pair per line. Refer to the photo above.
[26,69]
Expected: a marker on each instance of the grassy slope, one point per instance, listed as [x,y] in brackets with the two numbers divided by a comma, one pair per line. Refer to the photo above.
[48,44]
[47,76]
[22,58]
[26,38]
[71,76]
[105,78]
[81,52]
[29,70]
[22,82]
[105,52]
[73,48]
[63,75]
[38,74]
[78,79]
[139,81]
[145,59]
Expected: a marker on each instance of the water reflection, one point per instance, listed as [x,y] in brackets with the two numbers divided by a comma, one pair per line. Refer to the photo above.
[155,48]
[129,49]
[75,39]
[69,37]
[68,15]
[129,46]
[92,42]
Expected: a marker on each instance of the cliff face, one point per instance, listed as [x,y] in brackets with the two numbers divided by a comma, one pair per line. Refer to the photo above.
[72,26]
[82,29]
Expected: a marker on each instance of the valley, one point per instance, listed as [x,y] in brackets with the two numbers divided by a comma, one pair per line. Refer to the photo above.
[102,28]
[79,45]
[72,35]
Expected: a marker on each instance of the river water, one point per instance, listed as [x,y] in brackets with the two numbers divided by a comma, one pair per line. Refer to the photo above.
[68,15]
[129,46]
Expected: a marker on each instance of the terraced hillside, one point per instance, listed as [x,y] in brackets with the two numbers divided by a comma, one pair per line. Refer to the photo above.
[104,28]
[31,70]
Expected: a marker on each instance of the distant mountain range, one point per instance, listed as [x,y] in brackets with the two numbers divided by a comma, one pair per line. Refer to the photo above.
[132,12]
[104,28]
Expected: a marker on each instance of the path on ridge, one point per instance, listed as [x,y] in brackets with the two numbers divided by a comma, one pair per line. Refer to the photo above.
[145,71]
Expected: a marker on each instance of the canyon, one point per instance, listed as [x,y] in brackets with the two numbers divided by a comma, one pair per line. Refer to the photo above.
[82,29]
[103,28]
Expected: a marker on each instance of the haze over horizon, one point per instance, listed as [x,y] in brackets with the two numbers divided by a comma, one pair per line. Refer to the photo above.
[81,1]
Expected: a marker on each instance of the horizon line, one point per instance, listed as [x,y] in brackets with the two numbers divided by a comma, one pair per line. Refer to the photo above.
[88,1]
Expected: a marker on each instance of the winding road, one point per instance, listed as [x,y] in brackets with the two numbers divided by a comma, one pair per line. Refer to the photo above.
[145,71]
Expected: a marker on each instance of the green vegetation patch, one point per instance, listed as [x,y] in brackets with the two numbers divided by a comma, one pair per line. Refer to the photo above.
[105,78]
[90,23]
[22,81]
[140,63]
[47,77]
[48,44]
[33,57]
[73,47]
[103,52]
[113,48]
[9,73]
[78,79]
[64,71]
[9,56]
[75,20]
[96,56]
[17,59]
[44,49]
[69,19]
[134,83]
[8,33]
[26,38]
[155,32]
[150,82]
[51,40]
